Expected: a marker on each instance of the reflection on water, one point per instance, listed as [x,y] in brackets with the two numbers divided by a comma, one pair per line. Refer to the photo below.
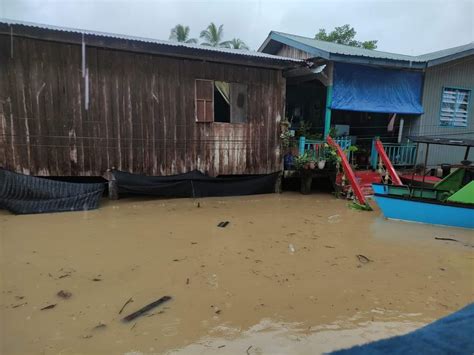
[402,232]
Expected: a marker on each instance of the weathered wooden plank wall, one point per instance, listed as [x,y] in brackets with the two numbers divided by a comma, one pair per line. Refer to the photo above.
[291,52]
[140,117]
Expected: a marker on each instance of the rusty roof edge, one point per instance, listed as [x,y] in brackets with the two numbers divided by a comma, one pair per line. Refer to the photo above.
[192,50]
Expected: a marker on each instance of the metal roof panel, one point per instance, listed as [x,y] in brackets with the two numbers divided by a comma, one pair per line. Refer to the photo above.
[237,52]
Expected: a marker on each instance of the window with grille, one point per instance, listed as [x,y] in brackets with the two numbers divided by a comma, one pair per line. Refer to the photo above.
[454,107]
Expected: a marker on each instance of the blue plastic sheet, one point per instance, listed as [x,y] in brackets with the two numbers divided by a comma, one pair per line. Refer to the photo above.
[453,334]
[368,89]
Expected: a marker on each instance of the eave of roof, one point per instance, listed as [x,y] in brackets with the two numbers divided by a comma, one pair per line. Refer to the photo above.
[343,53]
[147,45]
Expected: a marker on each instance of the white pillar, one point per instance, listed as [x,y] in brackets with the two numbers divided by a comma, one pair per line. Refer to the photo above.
[400,131]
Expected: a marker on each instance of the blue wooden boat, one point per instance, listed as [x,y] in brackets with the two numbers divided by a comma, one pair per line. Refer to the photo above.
[422,210]
[450,202]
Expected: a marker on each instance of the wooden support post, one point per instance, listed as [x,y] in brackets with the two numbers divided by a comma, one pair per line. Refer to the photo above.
[327,117]
[466,155]
[112,185]
[113,189]
[278,183]
[306,180]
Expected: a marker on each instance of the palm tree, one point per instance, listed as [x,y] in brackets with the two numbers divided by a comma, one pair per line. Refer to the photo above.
[236,43]
[212,35]
[180,33]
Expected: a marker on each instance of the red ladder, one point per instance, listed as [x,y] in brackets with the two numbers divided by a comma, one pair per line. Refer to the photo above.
[348,171]
[388,164]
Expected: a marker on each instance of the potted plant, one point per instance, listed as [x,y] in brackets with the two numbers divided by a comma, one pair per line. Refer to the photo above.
[302,162]
[321,163]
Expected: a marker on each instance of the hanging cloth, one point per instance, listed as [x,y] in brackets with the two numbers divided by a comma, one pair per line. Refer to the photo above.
[391,124]
[224,89]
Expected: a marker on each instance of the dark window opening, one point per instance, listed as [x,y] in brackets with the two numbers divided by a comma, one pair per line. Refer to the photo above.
[221,102]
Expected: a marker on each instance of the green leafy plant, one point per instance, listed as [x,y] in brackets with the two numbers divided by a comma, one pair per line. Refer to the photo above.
[304,129]
[344,35]
[333,132]
[357,206]
[285,139]
[301,161]
[331,154]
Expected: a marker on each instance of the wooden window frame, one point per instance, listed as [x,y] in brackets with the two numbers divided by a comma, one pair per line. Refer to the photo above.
[213,102]
[204,100]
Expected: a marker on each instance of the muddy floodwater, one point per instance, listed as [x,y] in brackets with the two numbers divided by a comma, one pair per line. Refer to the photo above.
[289,274]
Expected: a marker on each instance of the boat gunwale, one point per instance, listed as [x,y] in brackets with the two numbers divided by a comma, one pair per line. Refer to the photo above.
[433,202]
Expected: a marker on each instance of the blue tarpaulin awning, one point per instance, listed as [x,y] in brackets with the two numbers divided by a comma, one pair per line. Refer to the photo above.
[368,89]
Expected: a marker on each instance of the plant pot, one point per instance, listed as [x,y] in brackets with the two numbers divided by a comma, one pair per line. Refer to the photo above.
[288,161]
[312,165]
[321,164]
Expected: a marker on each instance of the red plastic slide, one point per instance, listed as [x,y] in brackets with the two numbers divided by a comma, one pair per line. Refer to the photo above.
[388,164]
[348,171]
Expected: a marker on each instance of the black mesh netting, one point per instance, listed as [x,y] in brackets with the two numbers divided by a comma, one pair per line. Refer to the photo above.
[194,184]
[23,194]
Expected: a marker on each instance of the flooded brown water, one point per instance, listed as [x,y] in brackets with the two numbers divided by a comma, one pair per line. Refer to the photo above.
[283,277]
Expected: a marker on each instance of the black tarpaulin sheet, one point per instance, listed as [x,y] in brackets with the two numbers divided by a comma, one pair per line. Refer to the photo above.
[194,184]
[23,194]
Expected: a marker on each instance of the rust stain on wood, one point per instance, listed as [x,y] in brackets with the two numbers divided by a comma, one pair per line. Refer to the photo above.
[140,118]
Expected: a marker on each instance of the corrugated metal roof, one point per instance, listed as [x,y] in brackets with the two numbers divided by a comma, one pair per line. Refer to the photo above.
[322,48]
[237,52]
[345,50]
[446,52]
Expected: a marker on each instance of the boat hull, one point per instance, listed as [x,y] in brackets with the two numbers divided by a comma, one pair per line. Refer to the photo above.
[400,208]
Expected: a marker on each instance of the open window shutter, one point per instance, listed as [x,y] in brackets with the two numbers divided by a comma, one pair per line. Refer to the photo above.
[204,101]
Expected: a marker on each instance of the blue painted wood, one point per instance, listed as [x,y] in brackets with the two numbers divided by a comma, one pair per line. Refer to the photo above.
[399,154]
[316,149]
[422,212]
[327,117]
[302,145]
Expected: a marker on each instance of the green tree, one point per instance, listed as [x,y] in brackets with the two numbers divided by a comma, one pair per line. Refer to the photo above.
[180,33]
[213,35]
[235,43]
[344,35]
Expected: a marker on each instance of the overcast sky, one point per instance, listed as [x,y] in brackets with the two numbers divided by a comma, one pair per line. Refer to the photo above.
[401,26]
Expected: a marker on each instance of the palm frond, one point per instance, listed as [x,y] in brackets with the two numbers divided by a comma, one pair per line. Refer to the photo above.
[180,33]
[212,35]
[235,43]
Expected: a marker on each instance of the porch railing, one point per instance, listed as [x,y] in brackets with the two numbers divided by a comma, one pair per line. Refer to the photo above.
[399,154]
[316,148]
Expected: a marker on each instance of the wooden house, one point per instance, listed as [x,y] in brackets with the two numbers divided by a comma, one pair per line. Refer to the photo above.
[76,103]
[363,94]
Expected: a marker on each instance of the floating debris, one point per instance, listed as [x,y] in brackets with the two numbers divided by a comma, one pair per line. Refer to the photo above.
[130,300]
[291,248]
[363,259]
[448,239]
[334,218]
[223,224]
[48,307]
[64,294]
[100,326]
[145,309]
